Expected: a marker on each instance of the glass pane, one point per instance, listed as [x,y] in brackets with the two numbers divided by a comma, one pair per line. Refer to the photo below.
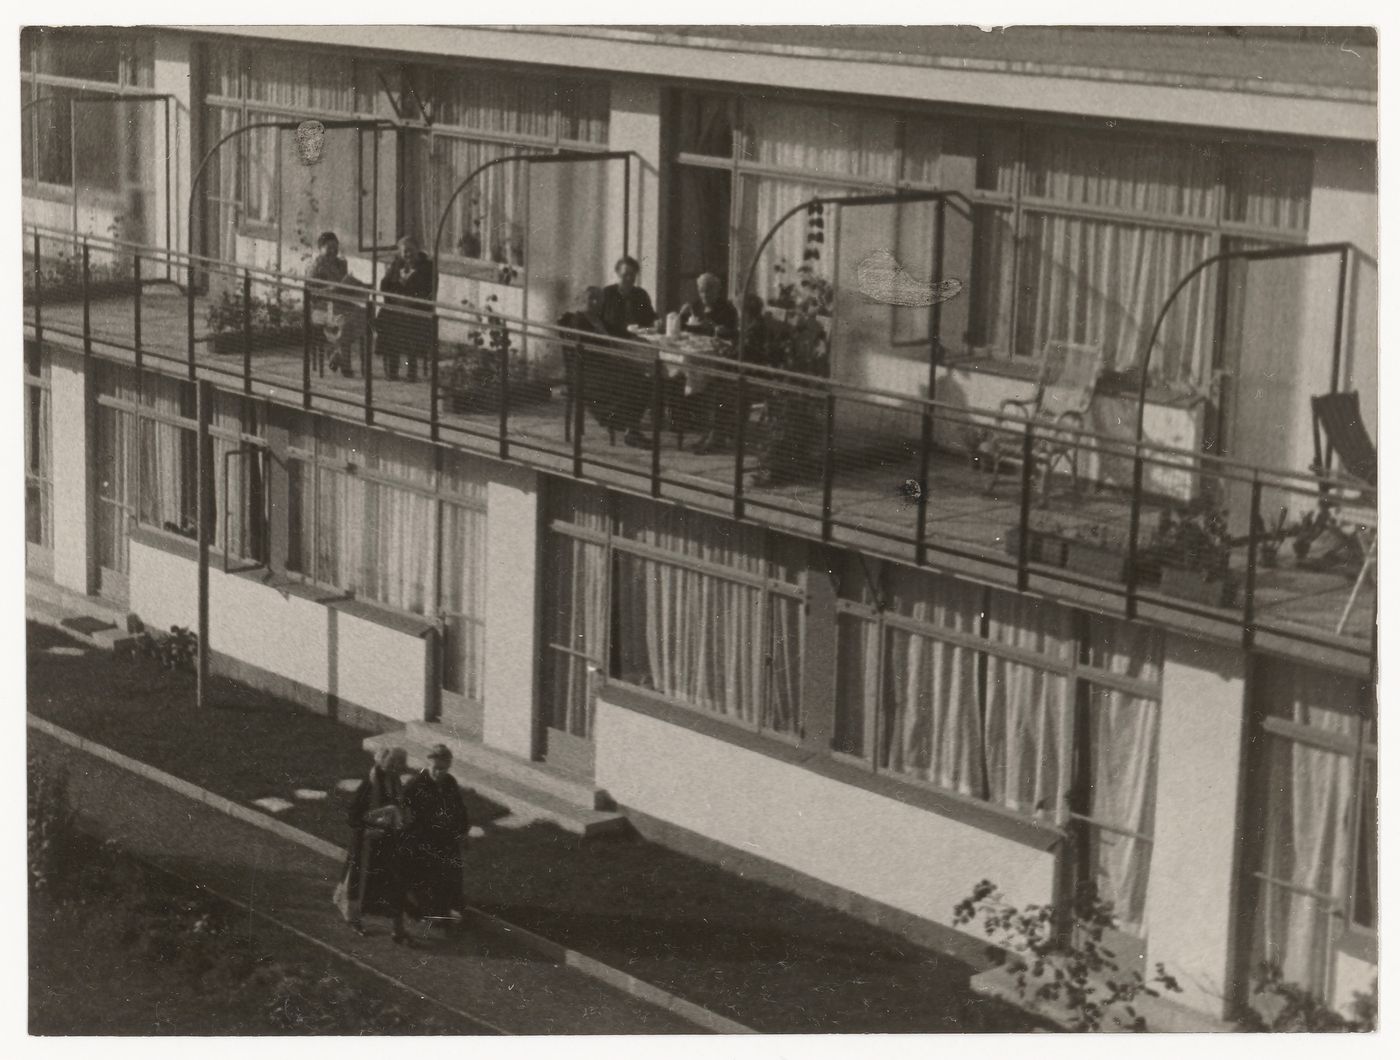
[857,641]
[706,128]
[85,54]
[1119,866]
[1292,932]
[1268,188]
[1365,874]
[819,138]
[1172,178]
[783,709]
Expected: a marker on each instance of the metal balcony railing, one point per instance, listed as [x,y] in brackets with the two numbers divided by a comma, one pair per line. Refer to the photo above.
[1145,531]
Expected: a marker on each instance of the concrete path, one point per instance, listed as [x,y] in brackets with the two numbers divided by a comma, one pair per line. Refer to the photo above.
[506,987]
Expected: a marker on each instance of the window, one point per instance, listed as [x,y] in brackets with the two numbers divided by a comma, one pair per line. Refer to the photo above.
[476,117]
[386,520]
[1073,236]
[1009,700]
[1314,813]
[113,138]
[148,466]
[38,453]
[693,608]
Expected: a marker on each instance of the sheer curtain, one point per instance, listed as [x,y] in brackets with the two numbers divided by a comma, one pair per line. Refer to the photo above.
[1028,710]
[463,586]
[243,490]
[488,219]
[38,464]
[1123,771]
[1307,792]
[576,611]
[930,724]
[691,635]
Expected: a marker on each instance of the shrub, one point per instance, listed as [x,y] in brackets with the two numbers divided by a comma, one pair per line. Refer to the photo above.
[52,826]
[174,651]
[1068,967]
[1280,1005]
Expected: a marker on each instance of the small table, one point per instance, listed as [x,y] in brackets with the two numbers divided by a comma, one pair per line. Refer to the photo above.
[675,352]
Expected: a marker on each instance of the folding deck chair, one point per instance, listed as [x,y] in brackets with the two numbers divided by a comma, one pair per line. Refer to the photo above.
[1069,375]
[1347,497]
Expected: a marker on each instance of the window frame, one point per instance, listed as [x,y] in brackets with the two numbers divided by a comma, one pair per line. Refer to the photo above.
[769,588]
[439,492]
[1017,201]
[32,83]
[409,74]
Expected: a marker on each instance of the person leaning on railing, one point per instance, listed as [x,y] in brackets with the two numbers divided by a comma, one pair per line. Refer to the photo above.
[405,334]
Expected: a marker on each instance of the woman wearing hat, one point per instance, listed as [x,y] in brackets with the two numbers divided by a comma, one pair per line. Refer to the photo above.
[433,838]
[372,883]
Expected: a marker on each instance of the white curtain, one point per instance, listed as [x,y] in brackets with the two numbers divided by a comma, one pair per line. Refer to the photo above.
[576,608]
[463,589]
[487,221]
[1123,774]
[1028,709]
[1307,793]
[930,721]
[118,449]
[243,491]
[690,635]
[1102,283]
[762,201]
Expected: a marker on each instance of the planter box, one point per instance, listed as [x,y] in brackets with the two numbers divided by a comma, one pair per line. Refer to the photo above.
[232,341]
[1182,584]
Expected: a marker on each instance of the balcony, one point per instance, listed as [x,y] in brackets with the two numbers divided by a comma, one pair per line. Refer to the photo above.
[901,477]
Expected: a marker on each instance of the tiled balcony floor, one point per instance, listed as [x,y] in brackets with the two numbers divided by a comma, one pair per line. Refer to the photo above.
[966,527]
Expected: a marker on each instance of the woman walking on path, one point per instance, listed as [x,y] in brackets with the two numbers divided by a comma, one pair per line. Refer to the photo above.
[372,882]
[433,839]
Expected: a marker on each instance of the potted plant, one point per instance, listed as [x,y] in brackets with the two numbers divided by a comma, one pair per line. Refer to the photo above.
[1097,550]
[1192,548]
[472,381]
[271,323]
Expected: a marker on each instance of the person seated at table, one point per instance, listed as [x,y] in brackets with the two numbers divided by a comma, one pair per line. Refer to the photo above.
[344,316]
[624,303]
[615,390]
[712,313]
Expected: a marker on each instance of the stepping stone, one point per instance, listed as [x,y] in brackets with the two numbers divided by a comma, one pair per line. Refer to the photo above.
[59,649]
[347,785]
[272,804]
[309,794]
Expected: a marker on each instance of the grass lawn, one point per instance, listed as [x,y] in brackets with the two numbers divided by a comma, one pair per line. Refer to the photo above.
[752,952]
[131,951]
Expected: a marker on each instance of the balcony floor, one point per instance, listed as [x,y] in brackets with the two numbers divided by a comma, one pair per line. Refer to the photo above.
[967,528]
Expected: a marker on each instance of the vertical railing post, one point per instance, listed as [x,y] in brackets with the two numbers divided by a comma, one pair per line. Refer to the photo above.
[204,401]
[189,318]
[576,396]
[38,291]
[828,462]
[247,332]
[1023,549]
[1130,599]
[740,432]
[306,349]
[1256,492]
[921,509]
[657,379]
[367,368]
[433,427]
[136,311]
[503,366]
[87,300]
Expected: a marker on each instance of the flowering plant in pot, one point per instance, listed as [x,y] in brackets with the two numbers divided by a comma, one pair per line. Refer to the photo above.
[1192,548]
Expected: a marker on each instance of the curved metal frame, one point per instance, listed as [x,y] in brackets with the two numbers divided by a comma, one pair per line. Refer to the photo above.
[560,156]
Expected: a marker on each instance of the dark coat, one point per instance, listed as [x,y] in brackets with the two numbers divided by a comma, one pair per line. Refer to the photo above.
[372,877]
[433,838]
[620,310]
[404,332]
